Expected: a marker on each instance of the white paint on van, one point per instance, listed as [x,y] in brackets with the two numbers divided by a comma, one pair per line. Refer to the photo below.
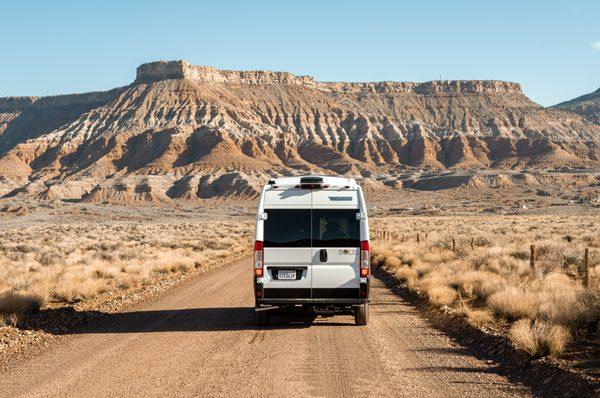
[341,270]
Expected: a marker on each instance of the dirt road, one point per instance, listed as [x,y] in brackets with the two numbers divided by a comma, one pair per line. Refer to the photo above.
[200,340]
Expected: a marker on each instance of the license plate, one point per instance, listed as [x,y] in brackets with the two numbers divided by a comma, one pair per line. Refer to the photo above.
[286,274]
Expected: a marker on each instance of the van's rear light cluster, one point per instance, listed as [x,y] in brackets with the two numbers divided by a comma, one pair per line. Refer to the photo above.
[312,186]
[259,258]
[365,261]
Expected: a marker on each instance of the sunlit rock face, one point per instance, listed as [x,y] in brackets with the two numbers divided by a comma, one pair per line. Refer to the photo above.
[193,132]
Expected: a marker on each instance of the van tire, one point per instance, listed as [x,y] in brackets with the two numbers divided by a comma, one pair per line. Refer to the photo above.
[262,318]
[361,314]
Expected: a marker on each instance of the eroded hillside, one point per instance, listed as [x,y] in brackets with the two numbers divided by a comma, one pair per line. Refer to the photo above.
[187,132]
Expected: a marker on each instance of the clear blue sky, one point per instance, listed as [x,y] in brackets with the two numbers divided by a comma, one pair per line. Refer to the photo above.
[551,47]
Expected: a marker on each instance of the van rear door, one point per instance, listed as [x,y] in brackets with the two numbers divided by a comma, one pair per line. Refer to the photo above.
[335,245]
[287,244]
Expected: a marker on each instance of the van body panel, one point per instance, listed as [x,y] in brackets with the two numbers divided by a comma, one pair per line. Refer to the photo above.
[364,222]
[339,198]
[288,199]
[335,247]
[289,258]
[317,233]
[340,270]
[287,246]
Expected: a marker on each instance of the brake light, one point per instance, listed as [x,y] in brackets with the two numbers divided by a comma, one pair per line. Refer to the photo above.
[258,258]
[365,263]
[312,186]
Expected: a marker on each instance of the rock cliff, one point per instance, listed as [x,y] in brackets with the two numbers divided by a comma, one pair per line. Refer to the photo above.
[201,132]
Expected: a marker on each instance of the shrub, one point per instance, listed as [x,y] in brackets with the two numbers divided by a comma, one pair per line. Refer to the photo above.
[12,302]
[539,338]
[406,274]
[513,303]
[476,317]
[494,279]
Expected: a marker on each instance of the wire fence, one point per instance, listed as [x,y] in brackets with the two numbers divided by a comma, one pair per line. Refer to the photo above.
[584,260]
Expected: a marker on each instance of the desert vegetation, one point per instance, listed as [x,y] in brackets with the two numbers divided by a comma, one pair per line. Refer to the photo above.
[480,268]
[60,264]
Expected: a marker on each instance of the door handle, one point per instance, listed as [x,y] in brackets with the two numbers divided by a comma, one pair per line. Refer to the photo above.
[323,255]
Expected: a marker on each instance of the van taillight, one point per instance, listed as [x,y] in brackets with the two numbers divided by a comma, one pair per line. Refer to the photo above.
[365,264]
[258,258]
[311,186]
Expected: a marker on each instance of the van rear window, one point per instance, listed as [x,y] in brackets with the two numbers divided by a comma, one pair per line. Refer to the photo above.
[287,228]
[335,228]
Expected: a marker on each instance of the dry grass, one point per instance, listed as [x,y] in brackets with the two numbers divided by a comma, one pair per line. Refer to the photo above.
[539,337]
[13,305]
[476,317]
[59,264]
[491,281]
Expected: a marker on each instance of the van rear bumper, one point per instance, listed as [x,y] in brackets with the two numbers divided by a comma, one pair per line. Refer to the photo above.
[295,293]
[298,301]
[312,296]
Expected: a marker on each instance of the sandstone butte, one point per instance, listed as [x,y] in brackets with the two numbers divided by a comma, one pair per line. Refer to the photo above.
[191,132]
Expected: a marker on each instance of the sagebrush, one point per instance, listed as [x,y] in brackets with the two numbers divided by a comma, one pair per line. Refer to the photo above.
[486,274]
[55,264]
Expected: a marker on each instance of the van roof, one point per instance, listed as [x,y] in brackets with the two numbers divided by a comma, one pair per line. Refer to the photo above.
[291,182]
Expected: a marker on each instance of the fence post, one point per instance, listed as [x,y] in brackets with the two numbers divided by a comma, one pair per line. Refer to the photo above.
[586,268]
[532,256]
[453,244]
[418,238]
[472,243]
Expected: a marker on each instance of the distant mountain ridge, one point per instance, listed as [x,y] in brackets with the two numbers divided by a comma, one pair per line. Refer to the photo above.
[186,132]
[587,105]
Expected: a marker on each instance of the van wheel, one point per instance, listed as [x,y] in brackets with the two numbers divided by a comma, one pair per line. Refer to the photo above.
[262,318]
[361,314]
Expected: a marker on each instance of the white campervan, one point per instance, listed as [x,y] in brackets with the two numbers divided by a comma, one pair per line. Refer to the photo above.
[311,252]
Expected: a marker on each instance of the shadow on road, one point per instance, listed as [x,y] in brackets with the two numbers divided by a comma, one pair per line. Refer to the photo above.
[69,321]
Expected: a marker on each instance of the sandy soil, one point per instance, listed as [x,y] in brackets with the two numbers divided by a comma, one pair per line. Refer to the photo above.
[200,340]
